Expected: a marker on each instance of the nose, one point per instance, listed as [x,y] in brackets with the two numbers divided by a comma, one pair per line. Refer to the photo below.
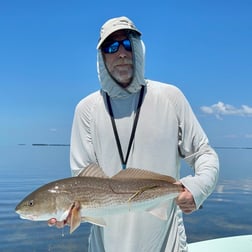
[122,52]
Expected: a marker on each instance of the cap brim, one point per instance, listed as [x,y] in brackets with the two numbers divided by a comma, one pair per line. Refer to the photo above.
[112,30]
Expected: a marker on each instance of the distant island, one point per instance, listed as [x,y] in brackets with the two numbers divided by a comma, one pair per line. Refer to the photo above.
[215,147]
[43,144]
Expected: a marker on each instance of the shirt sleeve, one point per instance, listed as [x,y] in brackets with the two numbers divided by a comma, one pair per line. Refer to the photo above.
[198,153]
[81,148]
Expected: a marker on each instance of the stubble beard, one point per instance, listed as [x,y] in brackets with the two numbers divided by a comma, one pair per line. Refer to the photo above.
[123,74]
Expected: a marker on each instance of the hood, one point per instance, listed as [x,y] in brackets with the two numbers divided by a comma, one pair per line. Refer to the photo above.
[109,85]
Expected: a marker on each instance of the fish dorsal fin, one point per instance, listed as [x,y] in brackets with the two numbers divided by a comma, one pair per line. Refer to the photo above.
[93,170]
[133,173]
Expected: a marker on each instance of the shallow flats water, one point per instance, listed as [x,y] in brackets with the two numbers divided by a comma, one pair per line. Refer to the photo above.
[227,212]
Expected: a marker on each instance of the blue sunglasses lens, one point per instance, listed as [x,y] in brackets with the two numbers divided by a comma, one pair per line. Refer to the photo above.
[114,46]
[127,45]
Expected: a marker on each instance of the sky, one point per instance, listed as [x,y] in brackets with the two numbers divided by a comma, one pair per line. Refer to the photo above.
[48,62]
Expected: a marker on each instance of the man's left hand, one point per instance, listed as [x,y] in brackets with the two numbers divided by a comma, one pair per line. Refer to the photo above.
[186,202]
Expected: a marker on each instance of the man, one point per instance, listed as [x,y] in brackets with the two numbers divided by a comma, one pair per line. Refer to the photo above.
[140,123]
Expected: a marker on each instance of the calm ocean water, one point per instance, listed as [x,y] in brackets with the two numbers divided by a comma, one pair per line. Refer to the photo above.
[226,212]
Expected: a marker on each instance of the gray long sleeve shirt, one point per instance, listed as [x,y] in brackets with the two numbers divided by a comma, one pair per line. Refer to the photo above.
[165,113]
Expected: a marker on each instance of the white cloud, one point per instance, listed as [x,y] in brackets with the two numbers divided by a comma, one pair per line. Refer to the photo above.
[220,109]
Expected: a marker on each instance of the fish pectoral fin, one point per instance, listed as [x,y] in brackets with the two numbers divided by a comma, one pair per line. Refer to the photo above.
[97,221]
[75,219]
[141,190]
[159,212]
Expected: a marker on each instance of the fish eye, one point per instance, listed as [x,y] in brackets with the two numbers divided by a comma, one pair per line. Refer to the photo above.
[30,203]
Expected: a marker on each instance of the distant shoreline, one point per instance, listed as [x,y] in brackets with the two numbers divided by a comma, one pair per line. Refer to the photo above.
[215,147]
[44,144]
[41,144]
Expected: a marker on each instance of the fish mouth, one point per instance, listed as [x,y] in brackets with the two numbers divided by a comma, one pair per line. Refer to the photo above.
[26,217]
[23,216]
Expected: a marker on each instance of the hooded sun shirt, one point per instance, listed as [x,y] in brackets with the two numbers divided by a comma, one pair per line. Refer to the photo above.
[167,130]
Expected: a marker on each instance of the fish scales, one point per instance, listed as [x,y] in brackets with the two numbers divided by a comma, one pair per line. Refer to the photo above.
[91,198]
[104,192]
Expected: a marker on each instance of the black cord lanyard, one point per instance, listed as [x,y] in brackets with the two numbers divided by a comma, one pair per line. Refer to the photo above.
[119,147]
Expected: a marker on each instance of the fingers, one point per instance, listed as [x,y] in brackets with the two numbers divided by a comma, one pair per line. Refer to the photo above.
[186,202]
[187,208]
[53,222]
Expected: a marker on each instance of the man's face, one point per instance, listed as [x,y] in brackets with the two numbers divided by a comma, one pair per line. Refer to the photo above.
[119,63]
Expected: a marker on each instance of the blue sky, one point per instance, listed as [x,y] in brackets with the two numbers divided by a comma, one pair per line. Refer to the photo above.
[48,62]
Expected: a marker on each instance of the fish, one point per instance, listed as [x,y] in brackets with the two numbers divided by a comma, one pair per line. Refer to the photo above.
[92,196]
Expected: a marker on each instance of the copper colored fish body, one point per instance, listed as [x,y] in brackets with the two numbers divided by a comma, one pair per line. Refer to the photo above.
[92,196]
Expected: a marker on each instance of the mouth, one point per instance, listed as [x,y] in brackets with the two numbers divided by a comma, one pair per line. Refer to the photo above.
[27,217]
[123,67]
[123,63]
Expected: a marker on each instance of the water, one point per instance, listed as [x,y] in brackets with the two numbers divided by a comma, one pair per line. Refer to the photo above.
[227,211]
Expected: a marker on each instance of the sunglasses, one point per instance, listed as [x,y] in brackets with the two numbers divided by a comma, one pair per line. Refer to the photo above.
[114,46]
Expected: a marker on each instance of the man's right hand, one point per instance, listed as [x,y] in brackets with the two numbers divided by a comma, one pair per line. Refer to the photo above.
[59,224]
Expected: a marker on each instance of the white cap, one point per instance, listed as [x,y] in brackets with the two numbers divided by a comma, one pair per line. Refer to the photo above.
[116,24]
